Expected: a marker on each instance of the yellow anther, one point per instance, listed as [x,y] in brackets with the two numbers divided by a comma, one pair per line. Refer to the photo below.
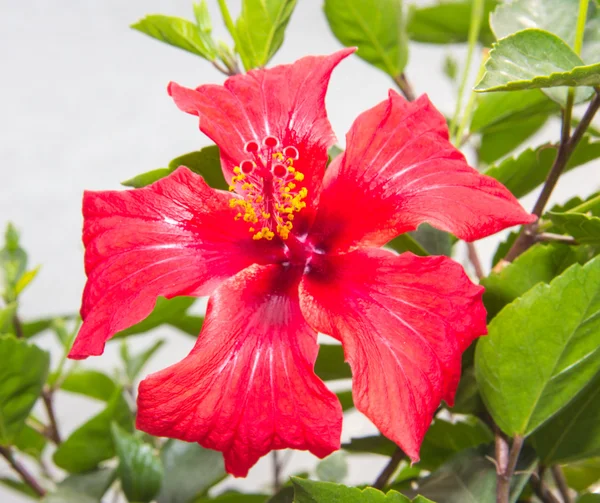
[237,170]
[231,188]
[290,216]
[238,216]
[246,186]
[298,177]
[266,215]
[287,189]
[291,169]
[259,199]
[251,229]
[291,185]
[257,236]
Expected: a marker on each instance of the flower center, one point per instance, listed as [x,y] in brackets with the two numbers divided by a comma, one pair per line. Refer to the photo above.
[266,180]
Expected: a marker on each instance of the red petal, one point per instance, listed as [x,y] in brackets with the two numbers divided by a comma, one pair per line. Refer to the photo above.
[404,322]
[400,170]
[287,101]
[175,237]
[248,386]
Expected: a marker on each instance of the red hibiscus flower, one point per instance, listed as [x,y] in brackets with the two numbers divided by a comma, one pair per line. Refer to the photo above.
[290,251]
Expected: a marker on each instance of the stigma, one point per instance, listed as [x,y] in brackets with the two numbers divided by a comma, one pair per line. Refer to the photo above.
[270,188]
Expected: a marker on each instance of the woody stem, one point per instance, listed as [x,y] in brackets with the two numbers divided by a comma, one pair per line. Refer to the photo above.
[26,477]
[565,150]
[389,469]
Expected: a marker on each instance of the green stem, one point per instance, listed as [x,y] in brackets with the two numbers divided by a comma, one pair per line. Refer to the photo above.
[228,21]
[466,118]
[586,205]
[581,18]
[474,28]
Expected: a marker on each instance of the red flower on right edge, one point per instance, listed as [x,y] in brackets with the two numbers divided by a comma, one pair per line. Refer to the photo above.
[290,251]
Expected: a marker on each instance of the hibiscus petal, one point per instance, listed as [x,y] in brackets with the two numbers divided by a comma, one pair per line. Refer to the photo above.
[404,322]
[287,102]
[400,170]
[248,386]
[175,237]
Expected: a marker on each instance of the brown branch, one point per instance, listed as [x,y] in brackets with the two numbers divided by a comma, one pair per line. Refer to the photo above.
[26,477]
[390,468]
[48,399]
[557,238]
[541,490]
[276,472]
[565,150]
[404,86]
[18,327]
[561,483]
[506,462]
[474,259]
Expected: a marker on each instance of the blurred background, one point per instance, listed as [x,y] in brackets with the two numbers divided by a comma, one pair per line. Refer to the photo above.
[84,107]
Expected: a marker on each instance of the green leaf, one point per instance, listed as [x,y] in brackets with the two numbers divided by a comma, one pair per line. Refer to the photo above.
[189,324]
[584,228]
[582,474]
[19,486]
[135,363]
[405,242]
[7,316]
[501,111]
[447,22]
[13,263]
[525,378]
[450,67]
[92,484]
[31,442]
[504,140]
[310,491]
[205,162]
[334,468]
[165,311]
[22,375]
[376,27]
[35,327]
[235,497]
[539,264]
[470,477]
[180,33]
[190,471]
[434,241]
[441,442]
[68,495]
[556,16]
[139,181]
[333,152]
[589,498]
[373,444]
[330,364]
[444,439]
[467,400]
[260,30]
[92,443]
[25,280]
[528,170]
[345,398]
[537,59]
[90,383]
[574,433]
[140,471]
